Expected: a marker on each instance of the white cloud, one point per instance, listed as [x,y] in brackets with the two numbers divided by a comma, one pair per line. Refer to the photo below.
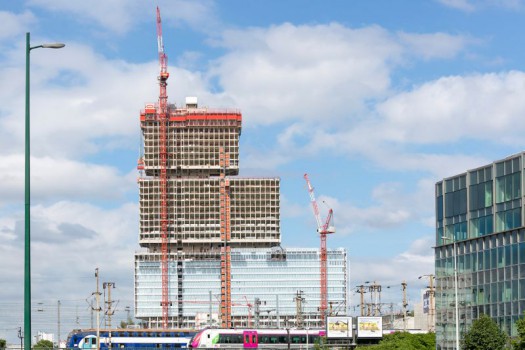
[434,45]
[392,206]
[53,179]
[82,103]
[301,72]
[321,73]
[15,24]
[70,239]
[457,108]
[408,266]
[471,5]
[464,5]
[120,16]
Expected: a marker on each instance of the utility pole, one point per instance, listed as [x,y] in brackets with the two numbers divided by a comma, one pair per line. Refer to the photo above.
[21,337]
[211,310]
[109,310]
[97,309]
[405,304]
[375,298]
[299,309]
[362,300]
[58,324]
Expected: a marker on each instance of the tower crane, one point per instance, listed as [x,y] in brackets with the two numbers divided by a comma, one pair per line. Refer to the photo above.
[324,228]
[163,118]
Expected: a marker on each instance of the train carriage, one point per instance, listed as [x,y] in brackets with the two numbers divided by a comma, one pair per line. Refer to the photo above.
[130,338]
[215,338]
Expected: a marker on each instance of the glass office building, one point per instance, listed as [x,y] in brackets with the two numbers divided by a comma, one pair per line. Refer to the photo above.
[479,229]
[275,277]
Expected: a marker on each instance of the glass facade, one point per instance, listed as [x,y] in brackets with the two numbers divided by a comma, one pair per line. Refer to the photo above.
[272,276]
[479,229]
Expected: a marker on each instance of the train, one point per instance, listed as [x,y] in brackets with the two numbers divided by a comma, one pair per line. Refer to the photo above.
[130,338]
[217,338]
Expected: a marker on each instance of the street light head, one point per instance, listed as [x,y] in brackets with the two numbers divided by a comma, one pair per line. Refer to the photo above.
[53,45]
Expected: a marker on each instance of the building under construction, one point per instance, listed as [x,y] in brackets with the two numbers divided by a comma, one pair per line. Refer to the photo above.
[211,239]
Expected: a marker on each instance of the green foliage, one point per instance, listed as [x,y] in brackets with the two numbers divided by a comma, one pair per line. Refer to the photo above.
[320,343]
[484,335]
[43,345]
[3,343]
[406,341]
[519,342]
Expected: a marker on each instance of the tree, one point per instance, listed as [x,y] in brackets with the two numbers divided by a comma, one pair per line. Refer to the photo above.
[3,343]
[519,342]
[43,345]
[406,341]
[484,335]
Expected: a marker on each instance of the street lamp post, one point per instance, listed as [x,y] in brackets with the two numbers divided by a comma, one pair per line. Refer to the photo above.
[455,288]
[27,251]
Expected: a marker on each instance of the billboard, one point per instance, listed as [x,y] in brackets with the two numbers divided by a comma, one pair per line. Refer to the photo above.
[369,327]
[338,327]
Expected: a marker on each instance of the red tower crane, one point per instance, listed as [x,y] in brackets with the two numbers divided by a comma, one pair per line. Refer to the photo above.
[225,229]
[163,118]
[323,229]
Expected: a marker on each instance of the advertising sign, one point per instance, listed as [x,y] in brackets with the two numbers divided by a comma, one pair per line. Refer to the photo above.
[369,327]
[338,327]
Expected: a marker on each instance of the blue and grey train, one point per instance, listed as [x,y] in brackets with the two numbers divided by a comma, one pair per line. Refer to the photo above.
[130,338]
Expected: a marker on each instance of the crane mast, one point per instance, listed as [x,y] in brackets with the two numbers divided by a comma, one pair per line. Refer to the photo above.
[323,229]
[225,228]
[162,118]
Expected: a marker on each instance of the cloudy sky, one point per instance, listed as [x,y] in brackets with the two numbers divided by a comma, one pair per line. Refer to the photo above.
[375,100]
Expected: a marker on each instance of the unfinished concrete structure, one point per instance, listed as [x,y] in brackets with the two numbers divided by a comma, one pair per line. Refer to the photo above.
[195,139]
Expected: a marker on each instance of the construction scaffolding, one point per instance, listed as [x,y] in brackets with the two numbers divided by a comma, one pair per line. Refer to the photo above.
[194,212]
[192,203]
[194,139]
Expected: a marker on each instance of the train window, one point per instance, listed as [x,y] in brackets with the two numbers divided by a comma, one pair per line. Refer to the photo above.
[295,339]
[238,339]
[224,338]
[283,339]
[264,339]
[303,339]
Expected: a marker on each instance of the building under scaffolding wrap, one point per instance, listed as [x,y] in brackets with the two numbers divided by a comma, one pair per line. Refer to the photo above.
[222,231]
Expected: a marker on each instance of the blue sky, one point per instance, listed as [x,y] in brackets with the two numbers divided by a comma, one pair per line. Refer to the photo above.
[375,100]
